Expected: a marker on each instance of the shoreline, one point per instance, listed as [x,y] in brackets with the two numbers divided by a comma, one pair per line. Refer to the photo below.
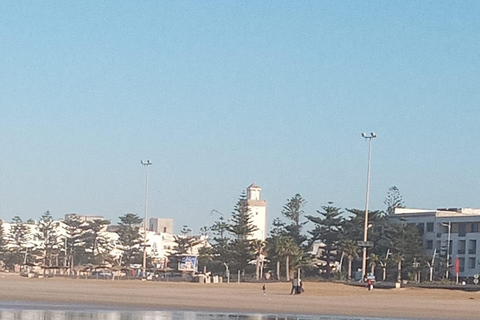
[320,298]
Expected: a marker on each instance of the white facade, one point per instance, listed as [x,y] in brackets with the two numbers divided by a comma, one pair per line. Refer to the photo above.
[257,209]
[434,227]
[159,245]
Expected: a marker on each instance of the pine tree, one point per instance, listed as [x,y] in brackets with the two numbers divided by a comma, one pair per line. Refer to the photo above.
[19,238]
[3,242]
[328,228]
[241,230]
[130,238]
[274,241]
[221,248]
[293,211]
[394,200]
[95,243]
[74,243]
[49,239]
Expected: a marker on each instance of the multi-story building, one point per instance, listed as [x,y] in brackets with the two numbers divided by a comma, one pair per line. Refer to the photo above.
[83,217]
[161,225]
[452,230]
[257,209]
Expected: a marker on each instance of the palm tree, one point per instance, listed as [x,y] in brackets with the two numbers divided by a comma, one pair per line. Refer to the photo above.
[259,248]
[273,251]
[398,258]
[384,262]
[351,251]
[288,248]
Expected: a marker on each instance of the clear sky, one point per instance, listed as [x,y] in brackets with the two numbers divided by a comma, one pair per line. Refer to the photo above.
[220,94]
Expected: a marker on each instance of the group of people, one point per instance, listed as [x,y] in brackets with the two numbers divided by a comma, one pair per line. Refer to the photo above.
[297,286]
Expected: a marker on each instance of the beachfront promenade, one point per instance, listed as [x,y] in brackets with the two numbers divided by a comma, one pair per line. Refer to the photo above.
[319,298]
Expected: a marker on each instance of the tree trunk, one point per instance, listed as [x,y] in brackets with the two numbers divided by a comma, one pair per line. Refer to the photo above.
[261,269]
[349,274]
[287,267]
[257,269]
[399,276]
[384,273]
[278,270]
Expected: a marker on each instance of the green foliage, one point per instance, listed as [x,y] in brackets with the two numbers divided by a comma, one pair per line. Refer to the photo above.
[2,242]
[277,234]
[241,229]
[96,245]
[130,238]
[293,211]
[406,244]
[74,245]
[50,241]
[221,251]
[351,251]
[339,275]
[19,243]
[394,200]
[291,252]
[328,228]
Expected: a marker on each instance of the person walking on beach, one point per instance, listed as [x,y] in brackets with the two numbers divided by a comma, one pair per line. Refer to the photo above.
[299,286]
[294,286]
[264,289]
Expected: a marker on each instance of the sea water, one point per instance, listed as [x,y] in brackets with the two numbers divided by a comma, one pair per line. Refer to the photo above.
[36,311]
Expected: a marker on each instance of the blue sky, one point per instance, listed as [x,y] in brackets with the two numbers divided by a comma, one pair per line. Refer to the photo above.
[220,94]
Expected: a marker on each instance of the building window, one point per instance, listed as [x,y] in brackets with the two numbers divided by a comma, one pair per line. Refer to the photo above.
[461,247]
[462,229]
[429,244]
[461,264]
[445,228]
[429,226]
[475,227]
[165,229]
[472,246]
[472,263]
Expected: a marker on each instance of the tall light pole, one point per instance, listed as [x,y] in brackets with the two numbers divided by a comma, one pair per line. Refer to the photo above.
[449,226]
[365,228]
[146,164]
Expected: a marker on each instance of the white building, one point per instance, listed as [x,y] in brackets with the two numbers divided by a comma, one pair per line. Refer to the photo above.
[461,225]
[257,209]
[160,245]
[83,217]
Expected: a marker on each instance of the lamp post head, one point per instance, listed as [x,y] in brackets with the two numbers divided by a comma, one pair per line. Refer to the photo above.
[371,136]
[145,163]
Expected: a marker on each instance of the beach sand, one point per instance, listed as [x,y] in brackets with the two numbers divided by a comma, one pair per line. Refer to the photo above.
[319,298]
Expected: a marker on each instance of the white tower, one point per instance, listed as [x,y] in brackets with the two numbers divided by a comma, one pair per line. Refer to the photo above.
[258,211]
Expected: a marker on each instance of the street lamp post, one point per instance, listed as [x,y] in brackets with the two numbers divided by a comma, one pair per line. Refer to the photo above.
[449,226]
[144,266]
[365,228]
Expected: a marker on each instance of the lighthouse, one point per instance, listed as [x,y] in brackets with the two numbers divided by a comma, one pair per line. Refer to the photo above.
[257,208]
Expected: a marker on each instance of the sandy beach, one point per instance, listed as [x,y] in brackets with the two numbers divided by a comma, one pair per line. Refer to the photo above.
[319,298]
